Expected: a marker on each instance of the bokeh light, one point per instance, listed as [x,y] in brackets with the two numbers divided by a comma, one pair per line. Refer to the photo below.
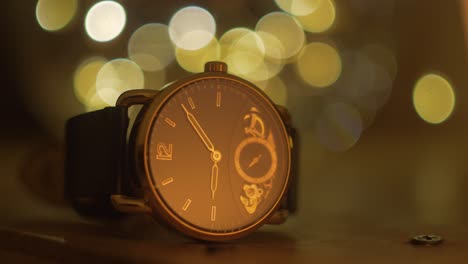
[194,60]
[339,127]
[192,28]
[116,77]
[363,83]
[319,64]
[274,49]
[96,102]
[251,55]
[358,75]
[321,19]
[299,7]
[383,85]
[433,98]
[155,80]
[268,69]
[85,79]
[229,38]
[53,15]
[273,63]
[275,89]
[383,56]
[284,28]
[105,21]
[150,47]
[245,54]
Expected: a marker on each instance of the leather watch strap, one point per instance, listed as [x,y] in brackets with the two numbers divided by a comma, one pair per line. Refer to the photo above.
[95,159]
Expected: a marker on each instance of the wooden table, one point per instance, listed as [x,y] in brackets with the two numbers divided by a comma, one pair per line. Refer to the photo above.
[361,206]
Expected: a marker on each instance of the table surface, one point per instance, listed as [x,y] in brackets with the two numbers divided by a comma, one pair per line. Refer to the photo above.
[355,207]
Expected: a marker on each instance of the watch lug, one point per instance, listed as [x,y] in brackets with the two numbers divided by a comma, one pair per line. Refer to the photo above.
[278,217]
[294,140]
[285,116]
[136,97]
[126,204]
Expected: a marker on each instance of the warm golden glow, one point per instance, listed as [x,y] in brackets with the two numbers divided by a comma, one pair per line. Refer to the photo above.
[433,98]
[194,60]
[286,30]
[275,89]
[85,79]
[192,28]
[116,77]
[321,19]
[319,64]
[339,127]
[299,7]
[151,48]
[54,15]
[105,21]
[244,120]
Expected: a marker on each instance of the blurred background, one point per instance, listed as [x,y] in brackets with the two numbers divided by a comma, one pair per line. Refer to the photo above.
[377,90]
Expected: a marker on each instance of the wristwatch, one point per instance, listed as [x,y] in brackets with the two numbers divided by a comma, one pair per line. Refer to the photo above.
[210,155]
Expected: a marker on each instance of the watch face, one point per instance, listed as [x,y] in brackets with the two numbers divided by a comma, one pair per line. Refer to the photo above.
[217,156]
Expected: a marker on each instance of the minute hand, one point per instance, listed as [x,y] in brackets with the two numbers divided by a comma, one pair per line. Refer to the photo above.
[193,121]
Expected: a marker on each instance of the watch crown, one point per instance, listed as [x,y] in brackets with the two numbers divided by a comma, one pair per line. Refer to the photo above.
[215,66]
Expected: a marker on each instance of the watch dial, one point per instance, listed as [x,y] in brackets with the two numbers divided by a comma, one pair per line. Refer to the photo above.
[218,155]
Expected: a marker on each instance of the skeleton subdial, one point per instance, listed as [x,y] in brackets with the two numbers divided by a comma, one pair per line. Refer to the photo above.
[255,160]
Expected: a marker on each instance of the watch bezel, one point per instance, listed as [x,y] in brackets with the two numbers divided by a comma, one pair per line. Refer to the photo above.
[159,208]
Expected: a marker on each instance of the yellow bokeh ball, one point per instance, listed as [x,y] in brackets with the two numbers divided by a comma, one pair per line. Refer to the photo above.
[433,98]
[319,64]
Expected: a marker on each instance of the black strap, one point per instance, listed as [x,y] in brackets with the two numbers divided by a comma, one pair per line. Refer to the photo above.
[95,159]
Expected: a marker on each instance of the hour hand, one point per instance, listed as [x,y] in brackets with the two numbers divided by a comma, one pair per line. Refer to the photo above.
[214,179]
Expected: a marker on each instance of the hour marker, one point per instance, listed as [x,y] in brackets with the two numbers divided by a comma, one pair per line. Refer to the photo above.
[167,181]
[186,204]
[218,99]
[191,103]
[170,122]
[213,213]
[164,151]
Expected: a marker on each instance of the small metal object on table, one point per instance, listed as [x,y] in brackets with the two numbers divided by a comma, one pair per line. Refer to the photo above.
[429,240]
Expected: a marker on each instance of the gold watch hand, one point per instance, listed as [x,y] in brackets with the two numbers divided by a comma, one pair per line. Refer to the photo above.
[214,179]
[254,161]
[201,133]
[215,155]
